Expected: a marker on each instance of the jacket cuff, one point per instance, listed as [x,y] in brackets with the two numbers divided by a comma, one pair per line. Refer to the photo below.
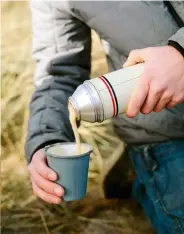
[177,46]
[38,142]
[177,40]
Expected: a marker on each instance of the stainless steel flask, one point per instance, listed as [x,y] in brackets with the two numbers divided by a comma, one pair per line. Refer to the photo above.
[106,96]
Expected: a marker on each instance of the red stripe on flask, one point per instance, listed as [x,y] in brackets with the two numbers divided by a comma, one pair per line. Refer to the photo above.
[111,94]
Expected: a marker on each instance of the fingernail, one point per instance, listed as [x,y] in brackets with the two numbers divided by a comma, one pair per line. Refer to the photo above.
[51,176]
[58,201]
[58,191]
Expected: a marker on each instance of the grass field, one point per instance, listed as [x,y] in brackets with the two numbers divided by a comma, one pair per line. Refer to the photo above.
[22,212]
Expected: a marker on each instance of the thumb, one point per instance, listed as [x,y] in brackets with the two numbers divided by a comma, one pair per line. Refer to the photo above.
[136,56]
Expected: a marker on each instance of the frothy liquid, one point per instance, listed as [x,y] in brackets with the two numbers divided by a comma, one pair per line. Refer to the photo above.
[73,118]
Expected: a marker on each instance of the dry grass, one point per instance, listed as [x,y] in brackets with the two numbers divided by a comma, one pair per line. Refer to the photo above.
[21,211]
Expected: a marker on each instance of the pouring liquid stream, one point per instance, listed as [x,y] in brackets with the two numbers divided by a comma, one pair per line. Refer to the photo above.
[73,118]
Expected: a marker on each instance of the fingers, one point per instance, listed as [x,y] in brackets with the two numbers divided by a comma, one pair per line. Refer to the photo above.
[41,176]
[163,102]
[179,98]
[136,56]
[45,196]
[39,161]
[46,185]
[168,91]
[171,104]
[152,99]
[138,98]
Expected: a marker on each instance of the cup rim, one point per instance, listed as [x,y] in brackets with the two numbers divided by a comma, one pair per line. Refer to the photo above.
[68,156]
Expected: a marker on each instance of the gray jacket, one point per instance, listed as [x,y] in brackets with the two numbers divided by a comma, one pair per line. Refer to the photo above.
[61,49]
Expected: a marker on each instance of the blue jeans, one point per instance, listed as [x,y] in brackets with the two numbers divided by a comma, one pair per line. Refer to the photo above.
[159,186]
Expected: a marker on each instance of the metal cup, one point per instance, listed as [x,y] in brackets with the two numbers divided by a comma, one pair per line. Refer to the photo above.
[72,169]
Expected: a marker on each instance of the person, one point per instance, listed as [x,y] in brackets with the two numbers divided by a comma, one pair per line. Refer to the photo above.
[153,126]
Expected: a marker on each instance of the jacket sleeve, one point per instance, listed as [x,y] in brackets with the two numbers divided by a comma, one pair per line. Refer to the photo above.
[61,49]
[177,40]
